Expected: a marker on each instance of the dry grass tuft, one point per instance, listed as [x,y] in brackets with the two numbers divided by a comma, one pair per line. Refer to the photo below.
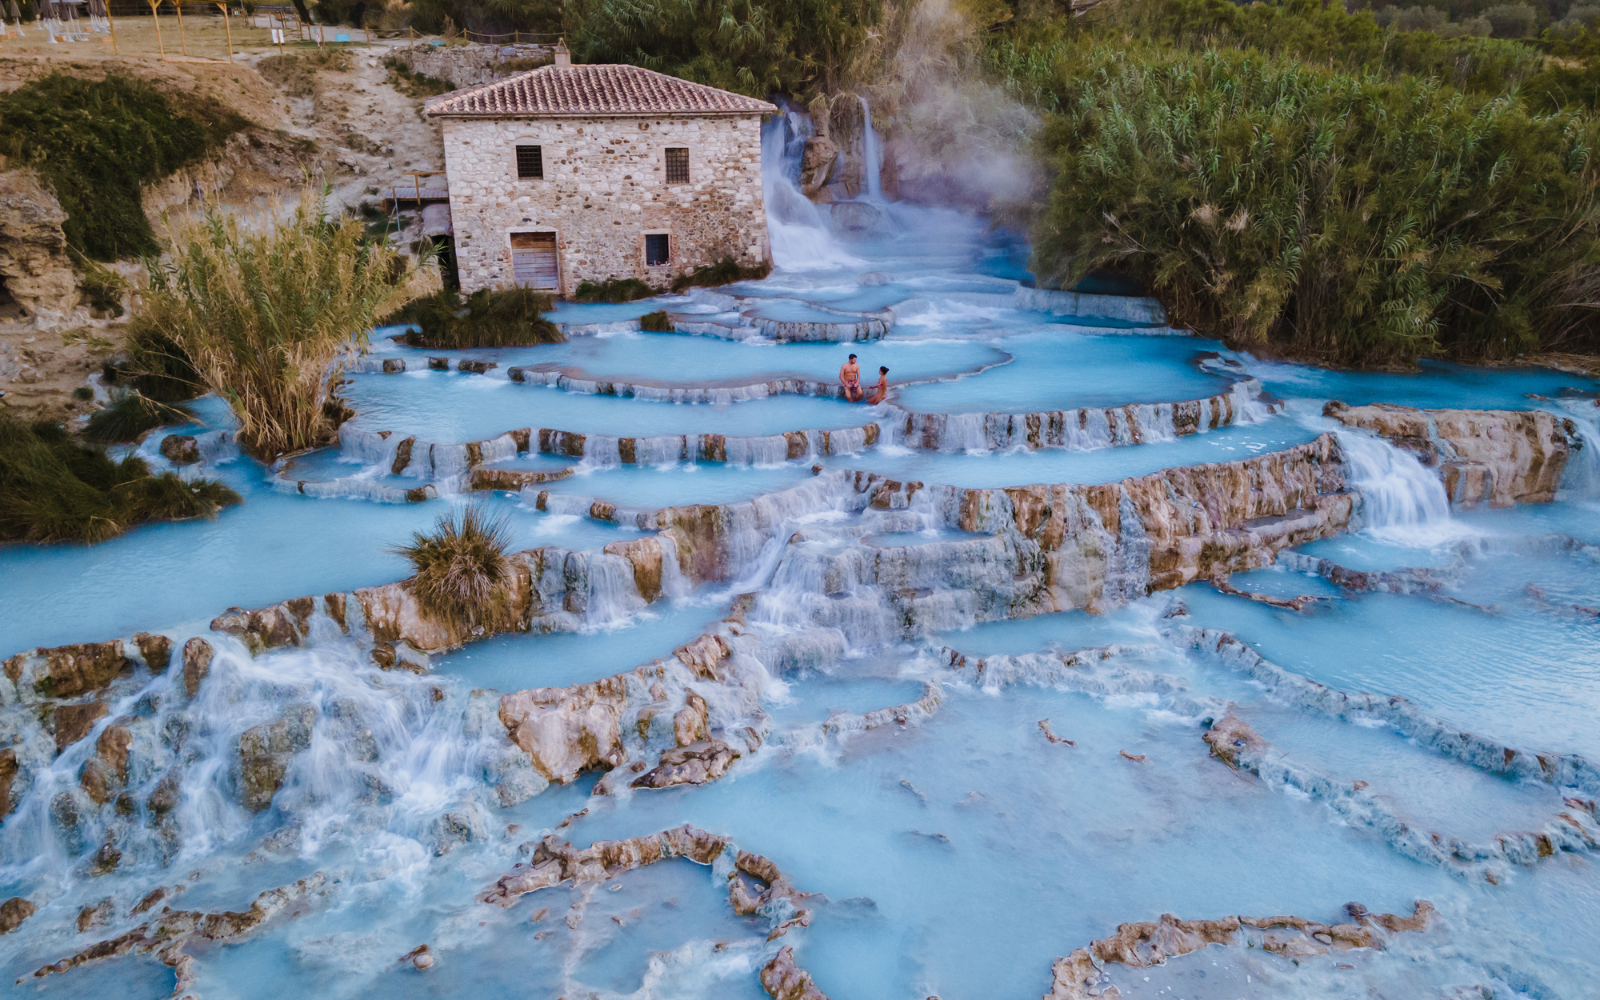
[459,566]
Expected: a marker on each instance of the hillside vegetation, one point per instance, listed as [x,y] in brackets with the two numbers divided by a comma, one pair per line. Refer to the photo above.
[97,142]
[1308,182]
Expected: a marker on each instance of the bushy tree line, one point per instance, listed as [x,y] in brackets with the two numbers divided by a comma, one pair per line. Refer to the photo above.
[1303,181]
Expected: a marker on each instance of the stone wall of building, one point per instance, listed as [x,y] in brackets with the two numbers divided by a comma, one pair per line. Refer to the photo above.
[604,189]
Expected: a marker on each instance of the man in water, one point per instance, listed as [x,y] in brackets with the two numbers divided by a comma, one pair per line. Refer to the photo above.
[882,389]
[850,378]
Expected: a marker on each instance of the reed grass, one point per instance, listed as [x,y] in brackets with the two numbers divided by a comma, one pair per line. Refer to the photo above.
[502,318]
[53,489]
[459,566]
[268,317]
[724,272]
[615,290]
[656,322]
[130,416]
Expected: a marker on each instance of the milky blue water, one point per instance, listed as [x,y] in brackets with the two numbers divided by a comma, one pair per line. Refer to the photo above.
[452,407]
[955,854]
[682,359]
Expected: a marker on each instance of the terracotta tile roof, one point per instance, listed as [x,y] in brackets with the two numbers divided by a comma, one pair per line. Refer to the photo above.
[590,89]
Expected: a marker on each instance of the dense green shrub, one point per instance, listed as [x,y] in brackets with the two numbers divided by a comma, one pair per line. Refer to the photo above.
[615,290]
[505,318]
[97,142]
[54,490]
[656,322]
[1041,55]
[757,48]
[724,272]
[1344,216]
[130,416]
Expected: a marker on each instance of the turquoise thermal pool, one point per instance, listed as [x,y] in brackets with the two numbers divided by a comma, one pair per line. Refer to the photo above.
[1100,622]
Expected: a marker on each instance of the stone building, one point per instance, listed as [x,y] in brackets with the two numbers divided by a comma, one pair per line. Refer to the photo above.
[566,174]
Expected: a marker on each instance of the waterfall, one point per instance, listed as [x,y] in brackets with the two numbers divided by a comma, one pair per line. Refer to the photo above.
[1402,501]
[800,237]
[874,154]
[1581,481]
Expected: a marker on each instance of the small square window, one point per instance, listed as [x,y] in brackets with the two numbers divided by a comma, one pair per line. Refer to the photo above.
[677,165]
[657,249]
[530,161]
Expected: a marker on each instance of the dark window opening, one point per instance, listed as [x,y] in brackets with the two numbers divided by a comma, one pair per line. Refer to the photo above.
[530,161]
[677,166]
[657,249]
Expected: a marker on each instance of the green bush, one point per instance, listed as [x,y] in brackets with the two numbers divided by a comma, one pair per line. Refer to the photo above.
[54,490]
[96,143]
[724,272]
[506,318]
[656,322]
[1042,57]
[615,290]
[1342,216]
[757,48]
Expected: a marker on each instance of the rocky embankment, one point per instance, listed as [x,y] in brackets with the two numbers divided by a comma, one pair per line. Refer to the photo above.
[1493,457]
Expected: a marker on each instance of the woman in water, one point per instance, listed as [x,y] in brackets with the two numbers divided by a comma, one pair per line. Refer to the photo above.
[881,391]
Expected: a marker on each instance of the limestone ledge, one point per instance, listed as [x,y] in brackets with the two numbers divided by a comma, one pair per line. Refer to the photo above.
[168,935]
[1494,457]
[1090,427]
[1233,741]
[1151,942]
[1427,729]
[756,886]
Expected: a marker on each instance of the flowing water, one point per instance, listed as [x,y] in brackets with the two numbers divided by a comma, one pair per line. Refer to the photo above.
[954,845]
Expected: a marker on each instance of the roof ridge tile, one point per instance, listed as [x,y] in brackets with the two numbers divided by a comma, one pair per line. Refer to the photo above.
[593,89]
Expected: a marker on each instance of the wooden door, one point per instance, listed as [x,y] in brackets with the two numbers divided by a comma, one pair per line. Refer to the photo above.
[533,261]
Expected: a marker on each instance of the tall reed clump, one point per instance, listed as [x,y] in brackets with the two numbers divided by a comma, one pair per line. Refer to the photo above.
[53,489]
[268,316]
[1348,217]
[501,318]
[460,565]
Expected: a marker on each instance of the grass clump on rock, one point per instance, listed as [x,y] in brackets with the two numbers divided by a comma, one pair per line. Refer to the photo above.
[460,565]
[53,489]
[615,290]
[504,318]
[724,272]
[268,316]
[656,322]
[130,416]
[98,142]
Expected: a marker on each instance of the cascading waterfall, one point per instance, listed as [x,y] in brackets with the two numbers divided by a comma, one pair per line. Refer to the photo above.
[872,161]
[800,237]
[1582,478]
[1402,501]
